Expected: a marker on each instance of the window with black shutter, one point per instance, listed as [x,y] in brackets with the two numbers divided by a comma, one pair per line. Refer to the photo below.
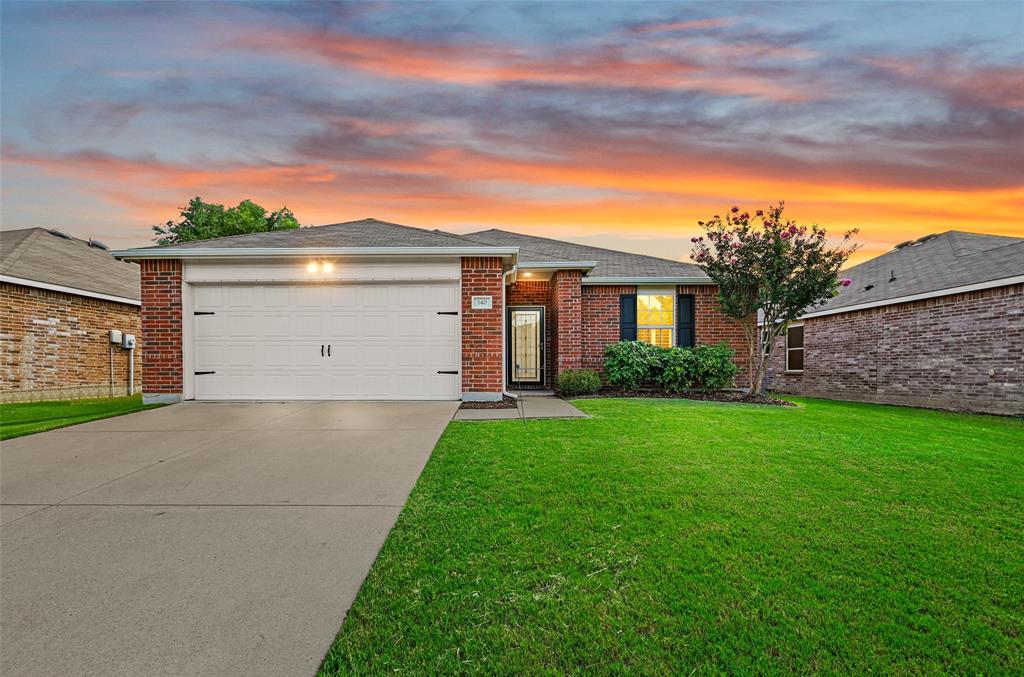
[627,317]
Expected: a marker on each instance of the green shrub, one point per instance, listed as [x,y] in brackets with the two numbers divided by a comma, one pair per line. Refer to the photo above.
[628,364]
[573,382]
[704,367]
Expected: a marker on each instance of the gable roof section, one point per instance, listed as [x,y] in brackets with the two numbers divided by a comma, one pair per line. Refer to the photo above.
[66,263]
[610,265]
[369,233]
[929,266]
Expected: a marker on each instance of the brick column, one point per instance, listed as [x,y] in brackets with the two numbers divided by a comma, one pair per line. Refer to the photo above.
[566,321]
[162,367]
[483,370]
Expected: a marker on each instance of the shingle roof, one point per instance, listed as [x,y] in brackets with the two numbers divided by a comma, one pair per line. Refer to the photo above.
[41,255]
[610,263]
[931,263]
[362,233]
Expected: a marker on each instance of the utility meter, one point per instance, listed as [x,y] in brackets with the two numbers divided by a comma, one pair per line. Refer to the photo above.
[128,341]
[115,336]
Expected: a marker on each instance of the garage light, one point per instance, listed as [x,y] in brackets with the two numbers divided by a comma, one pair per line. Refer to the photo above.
[312,266]
[328,266]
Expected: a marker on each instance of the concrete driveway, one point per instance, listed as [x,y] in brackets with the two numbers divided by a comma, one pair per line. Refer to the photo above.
[201,538]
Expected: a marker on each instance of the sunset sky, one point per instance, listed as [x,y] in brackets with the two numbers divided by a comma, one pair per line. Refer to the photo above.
[615,124]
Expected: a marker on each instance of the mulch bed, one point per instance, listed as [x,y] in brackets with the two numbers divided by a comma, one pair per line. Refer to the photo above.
[506,403]
[713,396]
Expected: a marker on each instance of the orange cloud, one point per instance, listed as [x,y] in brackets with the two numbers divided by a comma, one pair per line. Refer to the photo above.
[607,66]
[1001,86]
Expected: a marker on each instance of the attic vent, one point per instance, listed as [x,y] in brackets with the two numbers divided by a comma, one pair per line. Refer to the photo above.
[59,233]
[901,245]
[922,240]
[98,245]
[869,287]
[892,276]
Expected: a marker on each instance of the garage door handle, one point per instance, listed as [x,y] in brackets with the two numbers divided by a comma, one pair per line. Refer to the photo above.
[321,350]
[203,373]
[447,312]
[447,372]
[328,350]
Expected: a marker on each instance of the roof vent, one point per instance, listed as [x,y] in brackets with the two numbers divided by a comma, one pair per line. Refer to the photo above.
[922,240]
[59,233]
[869,287]
[892,276]
[98,245]
[901,245]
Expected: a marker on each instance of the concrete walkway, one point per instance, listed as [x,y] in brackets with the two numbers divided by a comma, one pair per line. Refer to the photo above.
[202,538]
[529,405]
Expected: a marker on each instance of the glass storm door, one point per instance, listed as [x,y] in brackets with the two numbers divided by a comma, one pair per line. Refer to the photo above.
[526,349]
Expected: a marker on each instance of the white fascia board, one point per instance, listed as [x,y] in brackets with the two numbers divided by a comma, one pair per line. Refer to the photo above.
[949,291]
[558,265]
[279,252]
[647,280]
[69,290]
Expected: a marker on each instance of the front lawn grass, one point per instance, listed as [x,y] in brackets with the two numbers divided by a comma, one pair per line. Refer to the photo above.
[25,418]
[681,537]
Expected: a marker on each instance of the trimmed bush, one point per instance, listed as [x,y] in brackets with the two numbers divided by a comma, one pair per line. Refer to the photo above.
[628,364]
[574,382]
[704,367]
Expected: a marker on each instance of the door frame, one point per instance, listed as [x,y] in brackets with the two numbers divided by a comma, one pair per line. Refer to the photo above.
[508,346]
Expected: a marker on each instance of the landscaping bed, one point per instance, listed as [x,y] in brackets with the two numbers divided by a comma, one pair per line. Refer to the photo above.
[710,396]
[505,403]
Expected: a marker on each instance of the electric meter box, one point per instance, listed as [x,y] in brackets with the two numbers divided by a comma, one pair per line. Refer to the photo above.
[115,336]
[128,341]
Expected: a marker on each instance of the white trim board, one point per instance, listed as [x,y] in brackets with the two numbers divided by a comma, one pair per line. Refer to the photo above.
[647,280]
[949,291]
[69,290]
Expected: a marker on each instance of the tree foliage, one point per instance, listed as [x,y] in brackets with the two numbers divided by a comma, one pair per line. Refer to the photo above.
[771,264]
[203,220]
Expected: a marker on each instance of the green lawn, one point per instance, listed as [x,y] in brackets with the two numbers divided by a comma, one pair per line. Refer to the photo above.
[666,536]
[26,418]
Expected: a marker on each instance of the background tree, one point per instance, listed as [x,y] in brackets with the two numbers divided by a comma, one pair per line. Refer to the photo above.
[203,220]
[772,265]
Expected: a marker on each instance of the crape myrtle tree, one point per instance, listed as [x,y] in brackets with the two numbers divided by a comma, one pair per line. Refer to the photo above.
[204,220]
[770,264]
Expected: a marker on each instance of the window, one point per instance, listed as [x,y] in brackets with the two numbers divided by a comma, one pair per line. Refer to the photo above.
[656,318]
[795,348]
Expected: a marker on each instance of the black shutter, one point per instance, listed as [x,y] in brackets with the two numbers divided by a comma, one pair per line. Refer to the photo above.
[685,321]
[627,317]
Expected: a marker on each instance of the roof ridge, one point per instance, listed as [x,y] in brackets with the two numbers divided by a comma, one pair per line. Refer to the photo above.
[22,247]
[588,246]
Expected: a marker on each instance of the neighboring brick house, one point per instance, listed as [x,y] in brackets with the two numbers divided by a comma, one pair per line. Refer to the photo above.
[375,310]
[59,298]
[937,322]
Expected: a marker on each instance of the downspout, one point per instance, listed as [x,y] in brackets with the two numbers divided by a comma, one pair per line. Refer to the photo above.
[504,339]
[131,371]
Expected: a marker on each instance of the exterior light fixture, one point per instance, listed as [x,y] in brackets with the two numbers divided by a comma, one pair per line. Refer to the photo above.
[328,267]
[527,274]
[312,267]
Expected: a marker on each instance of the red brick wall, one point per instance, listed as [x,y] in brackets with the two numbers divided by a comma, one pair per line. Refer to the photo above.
[161,327]
[566,321]
[534,293]
[54,345]
[713,327]
[600,321]
[961,352]
[482,367]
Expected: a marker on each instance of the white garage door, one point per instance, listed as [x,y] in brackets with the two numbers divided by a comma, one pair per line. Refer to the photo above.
[344,341]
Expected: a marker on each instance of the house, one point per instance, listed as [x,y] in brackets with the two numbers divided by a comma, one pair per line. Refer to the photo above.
[61,296]
[375,310]
[937,322]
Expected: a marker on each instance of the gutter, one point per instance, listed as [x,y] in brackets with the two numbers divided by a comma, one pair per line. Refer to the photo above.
[560,265]
[647,280]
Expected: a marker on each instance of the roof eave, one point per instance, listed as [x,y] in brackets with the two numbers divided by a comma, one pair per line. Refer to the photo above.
[558,265]
[648,280]
[285,252]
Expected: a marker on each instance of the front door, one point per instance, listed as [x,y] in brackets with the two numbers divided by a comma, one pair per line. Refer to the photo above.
[526,345]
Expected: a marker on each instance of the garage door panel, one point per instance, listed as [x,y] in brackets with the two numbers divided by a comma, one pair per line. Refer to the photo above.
[387,341]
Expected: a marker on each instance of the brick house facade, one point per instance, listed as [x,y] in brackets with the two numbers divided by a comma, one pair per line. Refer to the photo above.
[54,345]
[162,328]
[960,352]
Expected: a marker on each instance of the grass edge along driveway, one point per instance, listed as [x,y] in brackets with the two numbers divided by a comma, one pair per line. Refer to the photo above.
[25,418]
[669,536]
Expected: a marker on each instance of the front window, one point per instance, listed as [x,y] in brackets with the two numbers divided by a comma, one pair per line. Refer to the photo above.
[795,348]
[656,319]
